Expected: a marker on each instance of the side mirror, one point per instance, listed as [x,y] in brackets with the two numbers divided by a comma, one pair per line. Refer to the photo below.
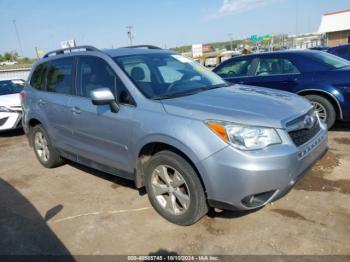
[104,96]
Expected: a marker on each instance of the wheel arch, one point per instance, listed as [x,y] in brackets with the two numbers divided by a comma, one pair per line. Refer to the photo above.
[32,123]
[328,95]
[153,147]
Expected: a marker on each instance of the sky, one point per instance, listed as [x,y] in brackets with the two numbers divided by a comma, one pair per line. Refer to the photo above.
[166,23]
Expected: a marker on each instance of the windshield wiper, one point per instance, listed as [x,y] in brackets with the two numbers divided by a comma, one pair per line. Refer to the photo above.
[190,92]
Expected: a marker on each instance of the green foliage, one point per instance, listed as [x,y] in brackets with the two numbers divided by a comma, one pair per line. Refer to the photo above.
[7,56]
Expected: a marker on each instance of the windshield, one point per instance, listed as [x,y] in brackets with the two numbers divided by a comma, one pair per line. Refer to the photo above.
[9,87]
[164,75]
[331,60]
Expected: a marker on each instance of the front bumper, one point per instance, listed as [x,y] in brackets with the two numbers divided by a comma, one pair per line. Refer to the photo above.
[232,177]
[10,120]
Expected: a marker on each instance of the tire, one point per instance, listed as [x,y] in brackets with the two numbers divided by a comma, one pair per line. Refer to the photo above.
[325,104]
[191,208]
[52,159]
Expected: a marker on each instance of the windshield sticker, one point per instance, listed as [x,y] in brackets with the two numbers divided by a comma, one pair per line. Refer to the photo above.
[200,68]
[182,59]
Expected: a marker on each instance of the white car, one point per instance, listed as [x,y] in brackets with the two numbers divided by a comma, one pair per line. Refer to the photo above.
[10,104]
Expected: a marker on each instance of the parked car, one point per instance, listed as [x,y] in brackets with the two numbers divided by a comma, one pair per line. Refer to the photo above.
[171,125]
[322,78]
[10,104]
[341,51]
[8,63]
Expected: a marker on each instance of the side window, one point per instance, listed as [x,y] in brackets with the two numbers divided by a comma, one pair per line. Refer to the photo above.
[235,69]
[95,73]
[275,66]
[38,78]
[59,76]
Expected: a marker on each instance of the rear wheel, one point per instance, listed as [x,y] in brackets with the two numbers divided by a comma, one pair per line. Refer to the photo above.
[324,108]
[44,151]
[174,189]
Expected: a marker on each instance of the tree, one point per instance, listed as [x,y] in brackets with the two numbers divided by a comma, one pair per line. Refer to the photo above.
[8,56]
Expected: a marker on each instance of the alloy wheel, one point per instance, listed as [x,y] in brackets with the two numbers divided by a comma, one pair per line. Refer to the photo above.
[41,146]
[170,190]
[321,110]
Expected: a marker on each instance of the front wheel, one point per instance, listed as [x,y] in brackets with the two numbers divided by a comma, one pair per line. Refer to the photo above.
[174,189]
[324,109]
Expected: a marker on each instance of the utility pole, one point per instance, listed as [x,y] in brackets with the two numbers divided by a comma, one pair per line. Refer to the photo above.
[18,38]
[37,53]
[130,34]
[231,45]
[296,22]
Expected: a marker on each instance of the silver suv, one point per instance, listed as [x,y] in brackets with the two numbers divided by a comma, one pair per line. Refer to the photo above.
[169,124]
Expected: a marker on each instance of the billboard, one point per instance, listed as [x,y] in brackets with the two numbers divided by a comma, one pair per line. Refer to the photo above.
[197,50]
[68,43]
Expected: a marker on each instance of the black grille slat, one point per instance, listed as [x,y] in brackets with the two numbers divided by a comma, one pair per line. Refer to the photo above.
[302,136]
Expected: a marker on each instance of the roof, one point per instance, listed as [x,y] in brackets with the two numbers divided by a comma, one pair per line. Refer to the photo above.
[294,51]
[133,51]
[334,22]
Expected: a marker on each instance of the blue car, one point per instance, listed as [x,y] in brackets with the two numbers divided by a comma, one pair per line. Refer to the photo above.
[322,78]
[342,51]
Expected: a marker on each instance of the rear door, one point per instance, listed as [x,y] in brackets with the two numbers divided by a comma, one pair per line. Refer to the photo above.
[52,100]
[99,134]
[277,73]
[236,71]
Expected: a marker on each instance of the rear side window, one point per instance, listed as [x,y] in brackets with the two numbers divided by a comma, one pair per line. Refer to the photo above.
[275,66]
[236,68]
[60,76]
[38,78]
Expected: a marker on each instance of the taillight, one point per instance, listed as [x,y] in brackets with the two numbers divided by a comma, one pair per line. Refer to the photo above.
[22,95]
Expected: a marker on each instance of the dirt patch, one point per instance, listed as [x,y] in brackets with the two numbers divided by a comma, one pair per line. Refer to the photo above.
[23,182]
[342,140]
[209,225]
[316,181]
[291,214]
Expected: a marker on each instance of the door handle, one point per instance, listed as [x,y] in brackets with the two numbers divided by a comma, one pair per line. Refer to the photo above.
[41,102]
[290,81]
[75,110]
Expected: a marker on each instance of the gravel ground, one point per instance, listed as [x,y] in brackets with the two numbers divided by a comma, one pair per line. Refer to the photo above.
[76,210]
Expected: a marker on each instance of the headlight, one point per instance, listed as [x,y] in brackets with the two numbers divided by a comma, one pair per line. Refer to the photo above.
[245,137]
[4,109]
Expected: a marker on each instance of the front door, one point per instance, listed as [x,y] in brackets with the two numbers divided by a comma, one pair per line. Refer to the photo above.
[100,135]
[276,73]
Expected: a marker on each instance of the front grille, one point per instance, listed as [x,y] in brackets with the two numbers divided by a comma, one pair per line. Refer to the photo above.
[302,136]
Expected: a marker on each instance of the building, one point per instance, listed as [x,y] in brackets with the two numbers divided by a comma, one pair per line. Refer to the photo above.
[304,41]
[336,27]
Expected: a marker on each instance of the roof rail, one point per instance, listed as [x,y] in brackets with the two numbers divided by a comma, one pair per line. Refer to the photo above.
[143,46]
[63,50]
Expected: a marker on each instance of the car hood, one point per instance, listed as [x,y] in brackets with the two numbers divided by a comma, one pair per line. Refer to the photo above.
[243,104]
[10,100]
